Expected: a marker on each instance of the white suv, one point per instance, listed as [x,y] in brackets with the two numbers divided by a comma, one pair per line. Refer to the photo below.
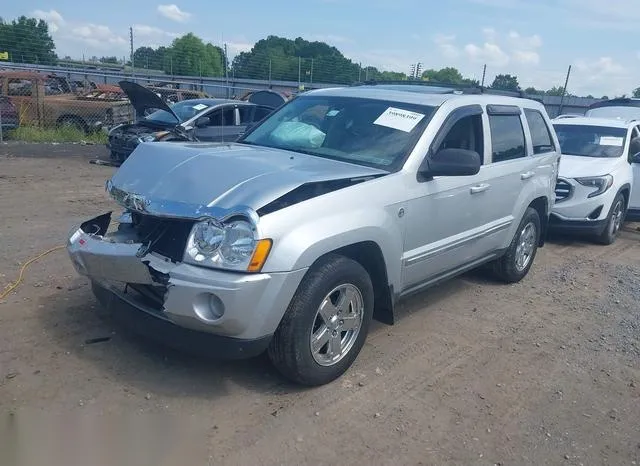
[595,188]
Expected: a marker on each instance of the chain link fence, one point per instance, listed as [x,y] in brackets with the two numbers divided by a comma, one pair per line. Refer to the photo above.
[74,101]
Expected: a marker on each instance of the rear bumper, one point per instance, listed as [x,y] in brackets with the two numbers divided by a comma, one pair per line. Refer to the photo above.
[582,227]
[169,334]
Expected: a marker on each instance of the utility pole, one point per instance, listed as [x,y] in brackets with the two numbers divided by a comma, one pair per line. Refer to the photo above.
[359,72]
[269,72]
[299,70]
[133,68]
[564,91]
[484,74]
[226,68]
[311,76]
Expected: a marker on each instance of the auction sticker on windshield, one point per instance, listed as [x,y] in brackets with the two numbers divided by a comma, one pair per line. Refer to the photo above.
[396,118]
[611,141]
[199,107]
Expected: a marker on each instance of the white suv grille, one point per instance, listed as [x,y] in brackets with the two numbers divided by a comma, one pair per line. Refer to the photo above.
[563,190]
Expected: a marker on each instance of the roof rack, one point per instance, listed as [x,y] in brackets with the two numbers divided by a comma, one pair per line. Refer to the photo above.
[567,115]
[447,88]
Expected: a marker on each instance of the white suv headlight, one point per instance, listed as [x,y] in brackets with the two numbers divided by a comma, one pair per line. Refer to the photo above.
[600,183]
[232,246]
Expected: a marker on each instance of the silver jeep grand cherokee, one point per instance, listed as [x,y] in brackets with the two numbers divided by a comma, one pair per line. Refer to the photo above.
[321,218]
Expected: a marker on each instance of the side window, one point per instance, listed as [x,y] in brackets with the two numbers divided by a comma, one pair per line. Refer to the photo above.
[222,117]
[466,134]
[245,114]
[19,87]
[261,112]
[540,134]
[507,137]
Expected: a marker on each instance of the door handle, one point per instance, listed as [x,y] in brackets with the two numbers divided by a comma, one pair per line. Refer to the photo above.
[480,188]
[527,175]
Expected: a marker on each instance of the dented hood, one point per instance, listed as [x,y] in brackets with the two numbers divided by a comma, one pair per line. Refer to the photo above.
[199,177]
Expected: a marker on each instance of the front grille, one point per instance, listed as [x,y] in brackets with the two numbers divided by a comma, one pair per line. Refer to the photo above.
[563,190]
[167,237]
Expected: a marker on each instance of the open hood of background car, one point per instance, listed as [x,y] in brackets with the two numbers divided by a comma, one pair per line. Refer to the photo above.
[144,99]
[267,98]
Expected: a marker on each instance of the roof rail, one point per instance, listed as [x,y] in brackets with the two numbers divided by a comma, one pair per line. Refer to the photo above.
[453,88]
[567,115]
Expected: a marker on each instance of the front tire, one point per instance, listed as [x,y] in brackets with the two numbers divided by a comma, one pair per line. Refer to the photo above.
[614,221]
[514,265]
[326,324]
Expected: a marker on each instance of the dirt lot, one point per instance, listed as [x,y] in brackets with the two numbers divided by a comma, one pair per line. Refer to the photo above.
[543,372]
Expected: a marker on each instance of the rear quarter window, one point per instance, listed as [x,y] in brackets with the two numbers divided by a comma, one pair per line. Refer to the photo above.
[540,133]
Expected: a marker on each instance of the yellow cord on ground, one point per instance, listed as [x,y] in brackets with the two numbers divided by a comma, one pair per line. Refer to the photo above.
[12,286]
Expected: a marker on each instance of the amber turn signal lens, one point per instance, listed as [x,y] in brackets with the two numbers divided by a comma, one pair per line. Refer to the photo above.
[259,255]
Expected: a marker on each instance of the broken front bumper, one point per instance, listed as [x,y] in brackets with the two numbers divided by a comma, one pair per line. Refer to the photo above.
[232,305]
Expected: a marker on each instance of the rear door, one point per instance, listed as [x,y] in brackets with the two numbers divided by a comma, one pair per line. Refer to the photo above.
[511,169]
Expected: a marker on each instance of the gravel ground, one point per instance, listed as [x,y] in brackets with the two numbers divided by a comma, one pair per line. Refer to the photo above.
[543,372]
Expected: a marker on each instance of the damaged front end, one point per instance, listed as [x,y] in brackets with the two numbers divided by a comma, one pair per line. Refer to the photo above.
[136,262]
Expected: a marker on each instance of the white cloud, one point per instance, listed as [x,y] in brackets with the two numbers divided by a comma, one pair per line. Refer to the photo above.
[51,17]
[488,53]
[446,45]
[602,73]
[174,13]
[97,35]
[234,48]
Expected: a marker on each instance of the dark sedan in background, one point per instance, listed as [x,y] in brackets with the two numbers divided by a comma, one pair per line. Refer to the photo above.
[205,119]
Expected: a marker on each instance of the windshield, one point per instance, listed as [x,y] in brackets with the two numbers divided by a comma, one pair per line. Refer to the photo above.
[617,112]
[591,141]
[368,132]
[185,110]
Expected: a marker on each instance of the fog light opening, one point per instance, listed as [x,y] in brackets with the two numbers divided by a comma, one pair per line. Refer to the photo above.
[208,307]
[595,214]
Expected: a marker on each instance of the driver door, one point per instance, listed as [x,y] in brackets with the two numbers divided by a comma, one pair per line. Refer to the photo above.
[222,126]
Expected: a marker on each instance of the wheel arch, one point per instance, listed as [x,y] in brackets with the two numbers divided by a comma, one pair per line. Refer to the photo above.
[541,205]
[370,256]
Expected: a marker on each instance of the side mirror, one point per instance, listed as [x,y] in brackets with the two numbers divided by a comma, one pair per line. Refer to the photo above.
[451,162]
[636,158]
[202,122]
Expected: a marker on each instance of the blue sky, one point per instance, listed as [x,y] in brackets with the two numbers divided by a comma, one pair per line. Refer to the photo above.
[535,39]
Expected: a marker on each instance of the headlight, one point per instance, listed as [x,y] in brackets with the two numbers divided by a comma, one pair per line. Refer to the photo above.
[232,246]
[147,138]
[599,183]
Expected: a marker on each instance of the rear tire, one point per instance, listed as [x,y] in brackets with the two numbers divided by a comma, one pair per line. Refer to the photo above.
[326,324]
[614,221]
[514,265]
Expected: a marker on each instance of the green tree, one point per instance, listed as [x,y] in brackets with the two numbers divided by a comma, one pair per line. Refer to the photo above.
[190,56]
[279,58]
[636,92]
[556,90]
[448,75]
[533,91]
[112,60]
[28,41]
[505,82]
